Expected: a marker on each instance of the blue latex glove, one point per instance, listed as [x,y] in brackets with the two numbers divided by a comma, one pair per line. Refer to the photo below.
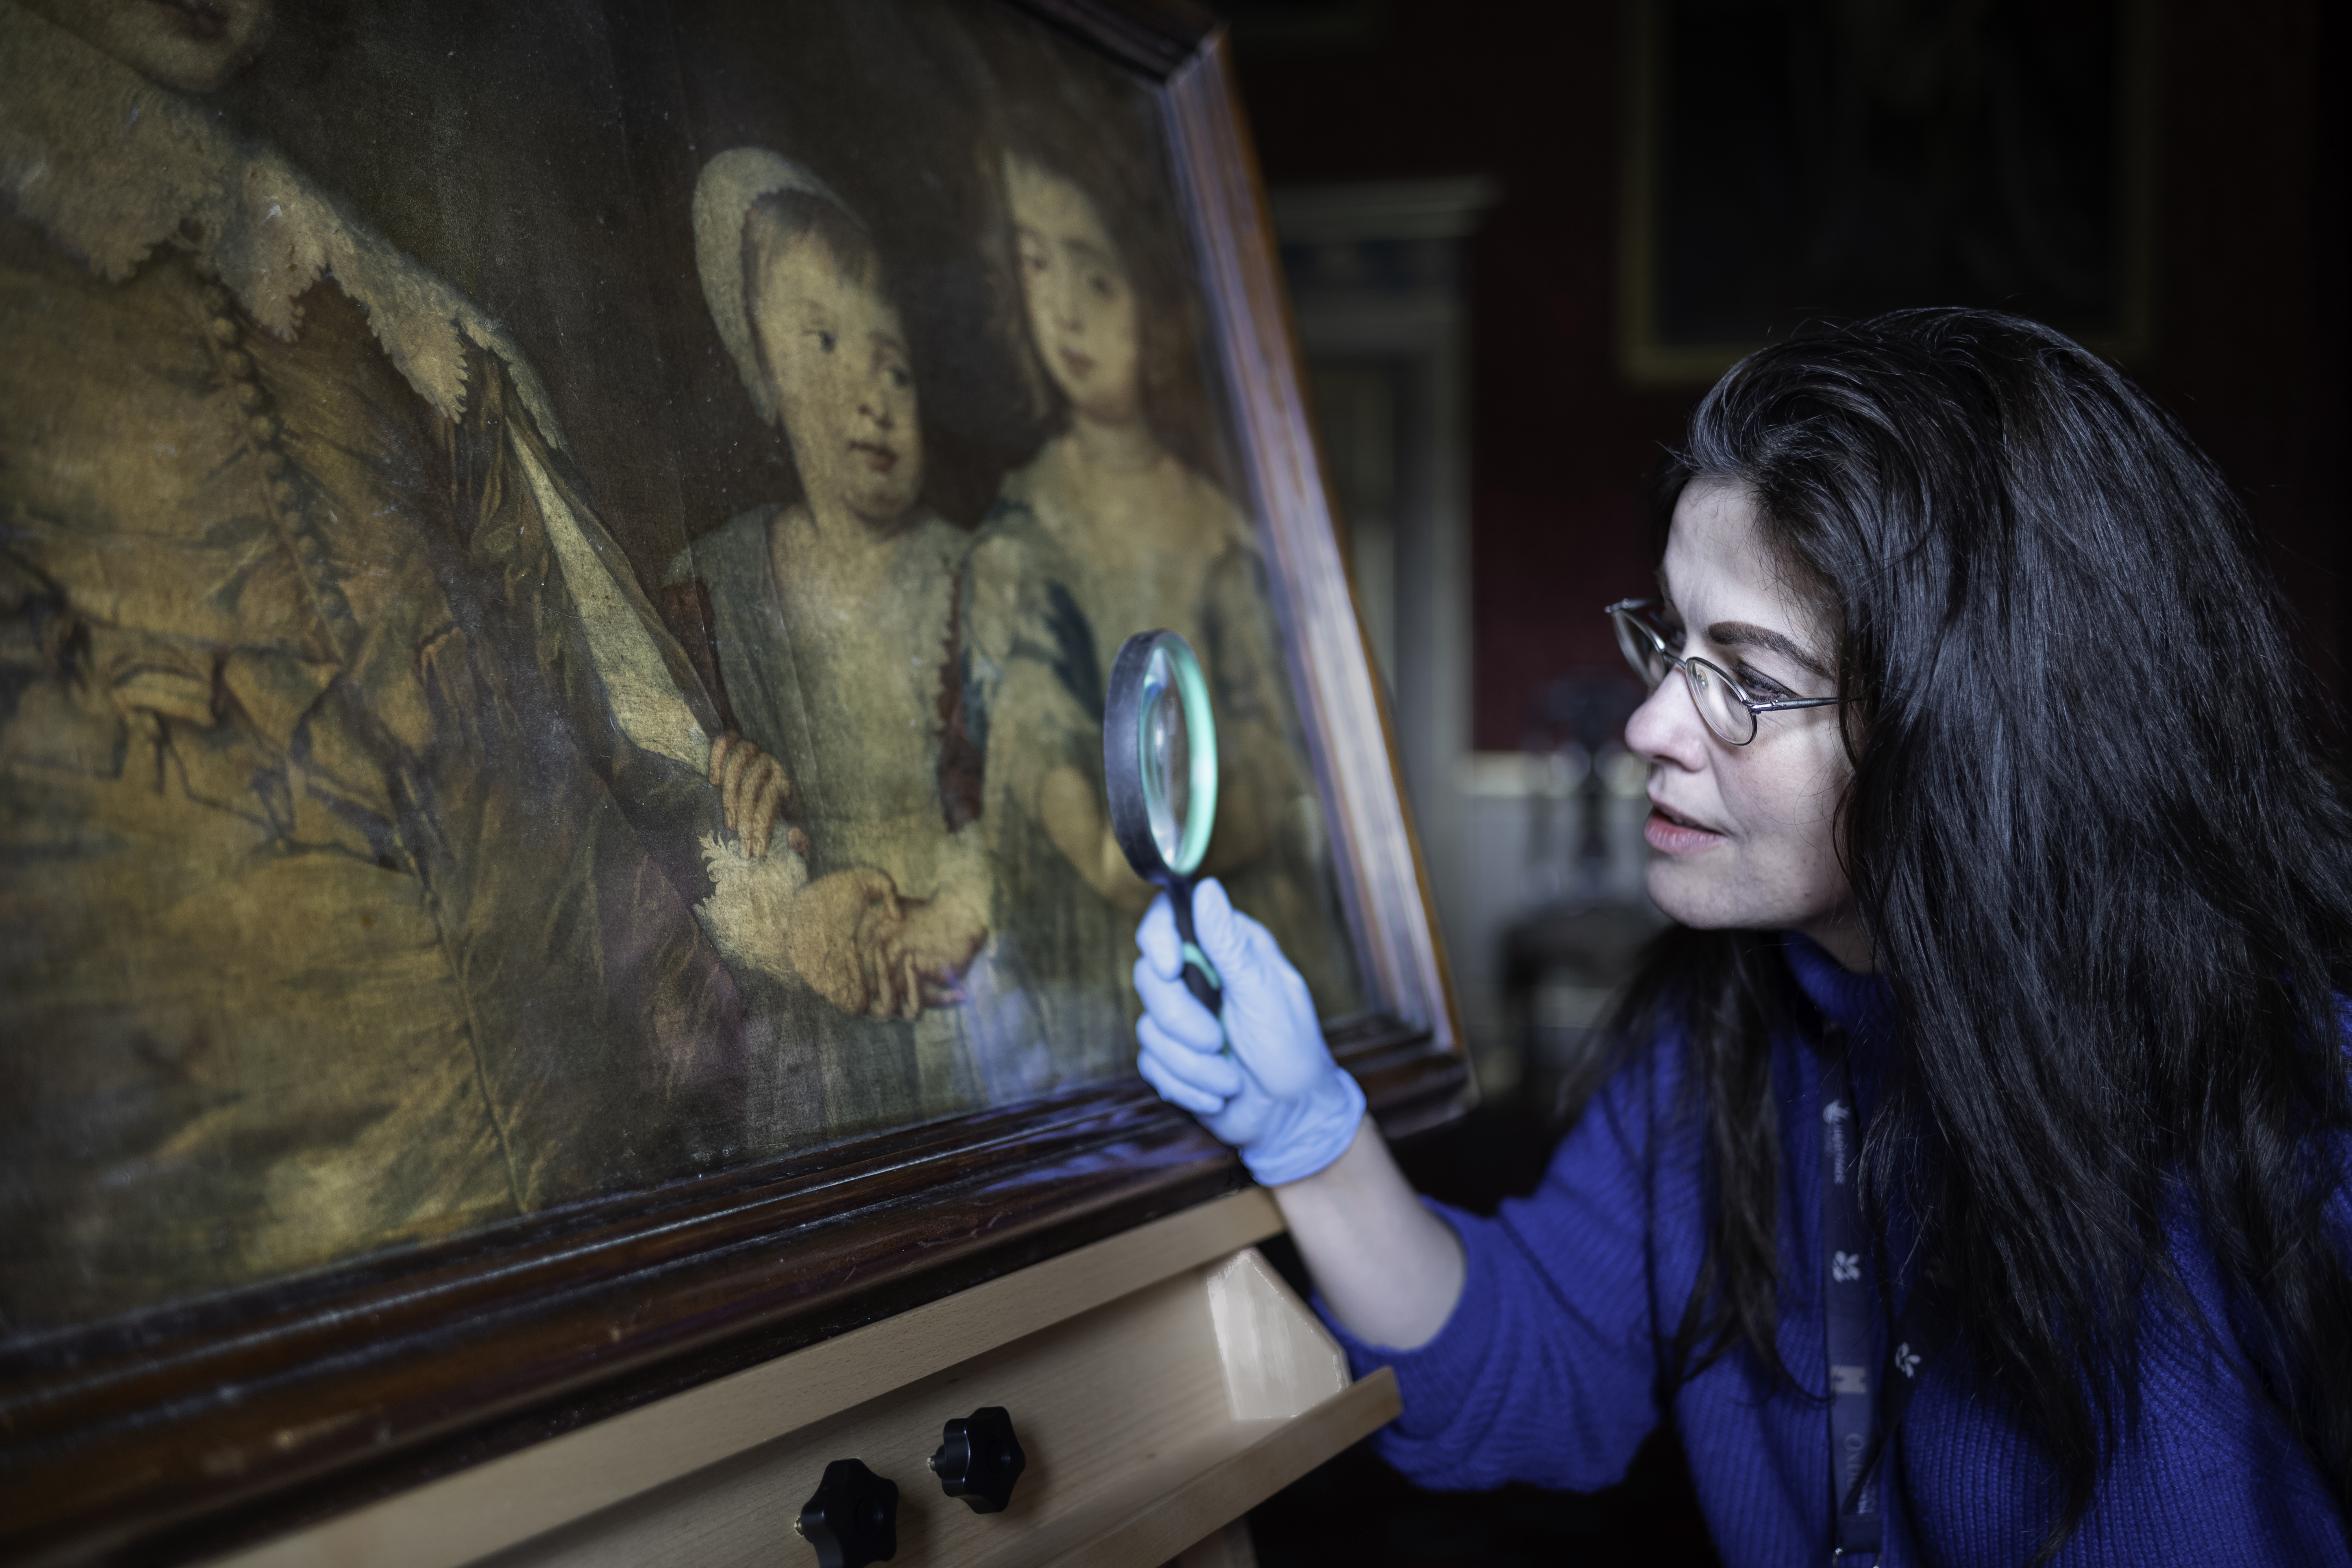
[1276,1096]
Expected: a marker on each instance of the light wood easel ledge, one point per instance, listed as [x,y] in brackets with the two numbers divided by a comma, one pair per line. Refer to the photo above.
[1180,1384]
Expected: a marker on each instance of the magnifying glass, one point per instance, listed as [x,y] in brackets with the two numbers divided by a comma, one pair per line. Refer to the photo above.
[1160,765]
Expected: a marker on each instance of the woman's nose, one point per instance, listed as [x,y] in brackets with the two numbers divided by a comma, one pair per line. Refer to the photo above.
[1666,727]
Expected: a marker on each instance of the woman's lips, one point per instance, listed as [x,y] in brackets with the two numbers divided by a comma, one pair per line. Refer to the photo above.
[879,458]
[1080,366]
[1669,835]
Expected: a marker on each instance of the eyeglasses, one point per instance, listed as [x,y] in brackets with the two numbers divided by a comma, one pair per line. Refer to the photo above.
[1729,710]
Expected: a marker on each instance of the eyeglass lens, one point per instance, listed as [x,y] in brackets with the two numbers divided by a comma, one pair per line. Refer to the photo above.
[1710,688]
[1649,661]
[1725,713]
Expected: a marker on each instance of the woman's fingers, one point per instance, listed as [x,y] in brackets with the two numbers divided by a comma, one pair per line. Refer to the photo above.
[1224,931]
[1163,949]
[1175,1090]
[1210,1072]
[1177,1010]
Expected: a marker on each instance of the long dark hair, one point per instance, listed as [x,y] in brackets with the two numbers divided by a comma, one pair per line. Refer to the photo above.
[2102,859]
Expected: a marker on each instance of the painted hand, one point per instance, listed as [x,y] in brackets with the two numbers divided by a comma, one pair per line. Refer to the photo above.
[754,792]
[1276,1096]
[835,935]
[930,950]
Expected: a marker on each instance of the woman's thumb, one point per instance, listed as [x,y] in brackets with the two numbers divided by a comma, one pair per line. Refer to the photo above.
[1218,932]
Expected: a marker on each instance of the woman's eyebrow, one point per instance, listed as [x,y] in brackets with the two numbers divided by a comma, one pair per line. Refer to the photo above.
[1740,634]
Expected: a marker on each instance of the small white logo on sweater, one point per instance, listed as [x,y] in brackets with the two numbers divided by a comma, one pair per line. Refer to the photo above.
[1845,1267]
[1906,1360]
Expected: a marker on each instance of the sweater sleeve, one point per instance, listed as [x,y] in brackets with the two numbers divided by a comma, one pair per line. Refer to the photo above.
[1548,1369]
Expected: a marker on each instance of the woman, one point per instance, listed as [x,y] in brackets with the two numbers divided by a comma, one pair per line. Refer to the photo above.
[1108,531]
[1996,824]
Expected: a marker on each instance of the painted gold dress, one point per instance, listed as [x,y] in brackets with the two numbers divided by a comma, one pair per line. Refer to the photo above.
[337,906]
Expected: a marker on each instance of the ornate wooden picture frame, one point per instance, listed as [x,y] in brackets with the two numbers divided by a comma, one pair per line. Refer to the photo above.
[189,1426]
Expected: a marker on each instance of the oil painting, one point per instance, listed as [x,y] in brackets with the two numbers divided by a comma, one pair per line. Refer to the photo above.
[557,573]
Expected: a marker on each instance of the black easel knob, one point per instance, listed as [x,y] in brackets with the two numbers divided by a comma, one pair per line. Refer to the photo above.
[979,1459]
[853,1518]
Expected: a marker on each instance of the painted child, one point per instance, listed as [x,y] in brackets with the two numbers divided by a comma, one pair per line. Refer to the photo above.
[1106,533]
[836,627]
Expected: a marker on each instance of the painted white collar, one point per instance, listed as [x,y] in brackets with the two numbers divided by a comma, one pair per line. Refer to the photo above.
[110,165]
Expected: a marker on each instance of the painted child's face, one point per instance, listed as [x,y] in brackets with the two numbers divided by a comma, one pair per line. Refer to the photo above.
[1082,310]
[844,384]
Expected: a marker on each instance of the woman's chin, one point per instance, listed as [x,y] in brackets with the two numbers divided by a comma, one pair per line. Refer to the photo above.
[1690,895]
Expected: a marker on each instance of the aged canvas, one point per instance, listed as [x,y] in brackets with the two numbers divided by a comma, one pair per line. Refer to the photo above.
[558,568]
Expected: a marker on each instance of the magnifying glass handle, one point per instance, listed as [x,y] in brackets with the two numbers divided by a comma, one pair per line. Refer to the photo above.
[1199,974]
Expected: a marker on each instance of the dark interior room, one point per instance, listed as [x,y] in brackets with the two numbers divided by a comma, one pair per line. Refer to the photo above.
[1510,160]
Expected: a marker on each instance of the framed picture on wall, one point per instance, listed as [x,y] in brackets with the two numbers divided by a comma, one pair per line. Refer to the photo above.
[560,569]
[1793,160]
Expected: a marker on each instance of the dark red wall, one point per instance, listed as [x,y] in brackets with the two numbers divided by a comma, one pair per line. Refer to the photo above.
[2251,285]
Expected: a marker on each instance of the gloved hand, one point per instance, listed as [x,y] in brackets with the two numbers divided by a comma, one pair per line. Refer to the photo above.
[1277,1096]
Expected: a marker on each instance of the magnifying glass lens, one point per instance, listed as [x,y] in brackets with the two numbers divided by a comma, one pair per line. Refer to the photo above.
[1168,760]
[1160,775]
[1159,757]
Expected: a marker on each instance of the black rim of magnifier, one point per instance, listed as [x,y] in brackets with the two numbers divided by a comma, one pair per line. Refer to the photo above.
[1123,770]
[1129,785]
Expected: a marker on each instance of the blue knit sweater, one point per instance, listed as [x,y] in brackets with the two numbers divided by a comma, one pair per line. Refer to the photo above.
[1551,1368]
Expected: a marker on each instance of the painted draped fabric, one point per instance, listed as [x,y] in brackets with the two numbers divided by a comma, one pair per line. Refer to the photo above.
[338,909]
[863,702]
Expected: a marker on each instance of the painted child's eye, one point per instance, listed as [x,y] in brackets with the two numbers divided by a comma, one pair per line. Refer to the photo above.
[899,378]
[825,341]
[1101,284]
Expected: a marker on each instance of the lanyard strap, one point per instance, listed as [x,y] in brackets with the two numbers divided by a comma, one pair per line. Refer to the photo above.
[1865,1405]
